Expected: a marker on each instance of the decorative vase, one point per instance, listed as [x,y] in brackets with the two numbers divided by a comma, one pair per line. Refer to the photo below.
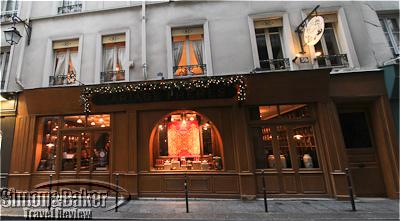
[271,161]
[307,159]
[283,161]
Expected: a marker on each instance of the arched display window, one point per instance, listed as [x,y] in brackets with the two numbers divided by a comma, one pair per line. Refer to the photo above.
[185,140]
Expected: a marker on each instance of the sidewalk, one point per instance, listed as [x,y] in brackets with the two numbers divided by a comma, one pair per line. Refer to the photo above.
[212,209]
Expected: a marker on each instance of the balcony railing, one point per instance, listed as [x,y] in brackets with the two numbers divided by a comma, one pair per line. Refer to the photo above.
[6,15]
[112,76]
[275,64]
[337,60]
[61,80]
[69,8]
[190,70]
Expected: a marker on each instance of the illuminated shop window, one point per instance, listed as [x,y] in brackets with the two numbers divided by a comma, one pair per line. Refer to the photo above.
[288,143]
[80,148]
[186,140]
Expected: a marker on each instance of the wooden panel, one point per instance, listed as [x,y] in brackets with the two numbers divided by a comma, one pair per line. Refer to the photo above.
[150,183]
[313,183]
[174,184]
[226,184]
[120,142]
[289,183]
[200,184]
[271,182]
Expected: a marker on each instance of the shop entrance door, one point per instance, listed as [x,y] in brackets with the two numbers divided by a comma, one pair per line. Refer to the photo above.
[361,153]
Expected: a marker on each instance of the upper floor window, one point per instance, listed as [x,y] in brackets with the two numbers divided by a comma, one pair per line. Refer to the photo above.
[113,58]
[327,50]
[69,6]
[390,26]
[4,58]
[188,52]
[270,44]
[8,9]
[65,62]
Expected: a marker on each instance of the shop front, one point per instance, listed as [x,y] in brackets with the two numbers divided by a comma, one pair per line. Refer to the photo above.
[220,133]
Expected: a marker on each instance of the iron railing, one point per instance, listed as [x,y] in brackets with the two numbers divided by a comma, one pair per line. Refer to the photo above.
[111,76]
[69,8]
[190,70]
[275,64]
[6,15]
[61,80]
[336,60]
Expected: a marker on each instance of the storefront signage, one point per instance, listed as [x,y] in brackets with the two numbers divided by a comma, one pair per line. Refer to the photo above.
[314,30]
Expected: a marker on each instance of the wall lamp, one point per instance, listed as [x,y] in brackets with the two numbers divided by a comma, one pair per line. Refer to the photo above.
[12,35]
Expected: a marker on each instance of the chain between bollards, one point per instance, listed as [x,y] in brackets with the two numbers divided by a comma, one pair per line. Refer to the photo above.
[117,191]
[350,187]
[50,189]
[186,194]
[264,191]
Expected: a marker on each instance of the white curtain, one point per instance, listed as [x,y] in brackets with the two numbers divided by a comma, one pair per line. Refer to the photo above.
[73,56]
[198,51]
[60,64]
[121,58]
[177,52]
[108,59]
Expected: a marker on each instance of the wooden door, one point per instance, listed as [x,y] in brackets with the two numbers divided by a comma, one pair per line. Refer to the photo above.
[361,153]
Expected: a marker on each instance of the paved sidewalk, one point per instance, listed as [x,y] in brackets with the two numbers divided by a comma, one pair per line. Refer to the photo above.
[212,209]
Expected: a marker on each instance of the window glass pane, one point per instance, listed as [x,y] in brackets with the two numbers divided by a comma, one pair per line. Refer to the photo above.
[263,151]
[108,58]
[276,45]
[262,50]
[305,146]
[86,152]
[47,142]
[283,145]
[331,42]
[294,111]
[69,152]
[268,112]
[163,139]
[101,149]
[207,140]
[99,120]
[74,121]
[355,130]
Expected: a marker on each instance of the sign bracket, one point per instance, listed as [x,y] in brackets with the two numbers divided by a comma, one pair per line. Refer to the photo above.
[300,28]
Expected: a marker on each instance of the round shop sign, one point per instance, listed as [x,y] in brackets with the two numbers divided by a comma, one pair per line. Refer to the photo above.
[314,30]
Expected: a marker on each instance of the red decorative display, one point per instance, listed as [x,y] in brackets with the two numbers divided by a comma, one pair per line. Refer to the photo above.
[183,139]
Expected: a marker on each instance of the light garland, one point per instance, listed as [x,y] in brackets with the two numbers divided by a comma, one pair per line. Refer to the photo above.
[206,82]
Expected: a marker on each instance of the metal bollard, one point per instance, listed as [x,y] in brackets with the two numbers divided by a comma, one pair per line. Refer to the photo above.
[350,187]
[50,187]
[186,195]
[264,191]
[117,191]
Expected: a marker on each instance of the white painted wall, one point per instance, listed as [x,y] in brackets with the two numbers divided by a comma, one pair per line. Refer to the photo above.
[229,36]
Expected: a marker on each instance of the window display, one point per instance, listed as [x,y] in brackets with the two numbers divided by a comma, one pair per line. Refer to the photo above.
[276,143]
[186,140]
[81,149]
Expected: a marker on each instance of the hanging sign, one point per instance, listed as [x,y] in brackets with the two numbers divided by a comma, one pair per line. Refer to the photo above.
[314,30]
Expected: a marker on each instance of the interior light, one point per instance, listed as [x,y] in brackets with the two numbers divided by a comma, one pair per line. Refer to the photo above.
[191,118]
[79,121]
[298,136]
[318,53]
[101,120]
[160,127]
[50,145]
[103,125]
[93,123]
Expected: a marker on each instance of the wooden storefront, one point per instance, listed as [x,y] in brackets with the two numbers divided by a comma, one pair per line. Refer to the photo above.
[310,161]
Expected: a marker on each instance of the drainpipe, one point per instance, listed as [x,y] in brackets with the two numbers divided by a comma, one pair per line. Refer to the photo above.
[144,61]
[18,79]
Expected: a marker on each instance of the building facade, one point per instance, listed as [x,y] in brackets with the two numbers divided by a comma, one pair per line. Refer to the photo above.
[226,93]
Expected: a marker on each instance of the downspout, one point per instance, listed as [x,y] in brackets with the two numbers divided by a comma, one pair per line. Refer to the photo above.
[18,79]
[144,60]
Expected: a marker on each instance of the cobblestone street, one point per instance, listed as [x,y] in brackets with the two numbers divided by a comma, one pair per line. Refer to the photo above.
[279,209]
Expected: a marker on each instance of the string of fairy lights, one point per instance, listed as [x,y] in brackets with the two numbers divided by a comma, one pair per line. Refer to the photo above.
[237,81]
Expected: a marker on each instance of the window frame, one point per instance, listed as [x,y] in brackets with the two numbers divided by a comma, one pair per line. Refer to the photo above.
[206,46]
[5,69]
[392,43]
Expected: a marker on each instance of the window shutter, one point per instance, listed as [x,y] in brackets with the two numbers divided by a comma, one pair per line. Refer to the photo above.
[73,43]
[268,23]
[113,38]
[187,31]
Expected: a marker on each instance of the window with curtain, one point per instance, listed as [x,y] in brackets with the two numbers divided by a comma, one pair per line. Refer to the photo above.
[188,51]
[114,58]
[390,26]
[66,62]
[8,9]
[270,44]
[4,58]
